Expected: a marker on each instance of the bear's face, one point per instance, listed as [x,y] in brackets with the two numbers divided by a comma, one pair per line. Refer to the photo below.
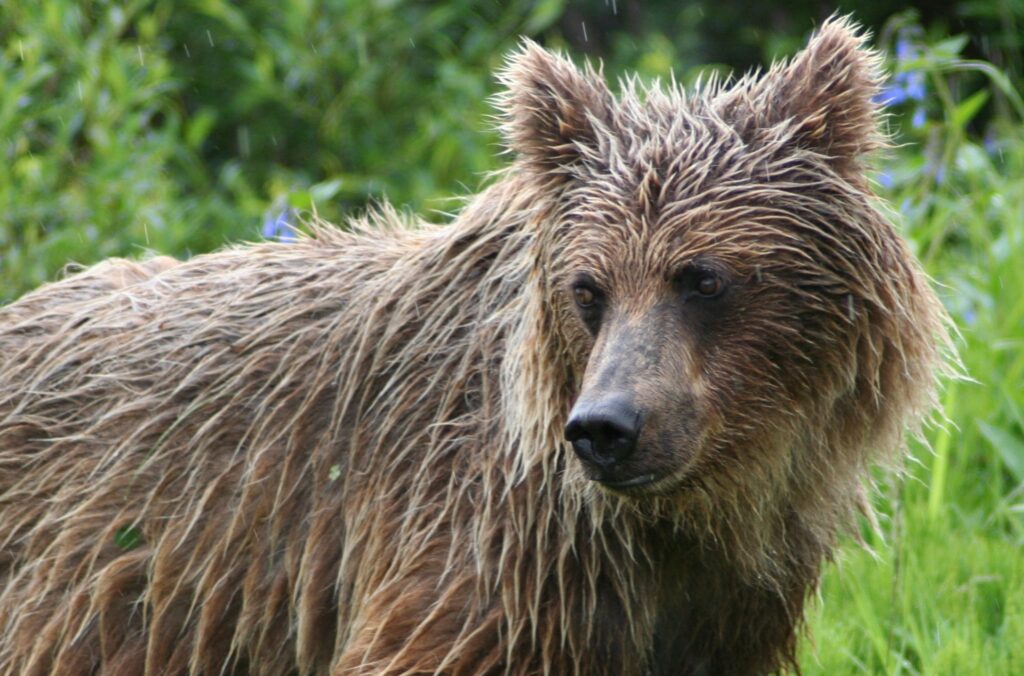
[708,254]
[648,408]
[687,308]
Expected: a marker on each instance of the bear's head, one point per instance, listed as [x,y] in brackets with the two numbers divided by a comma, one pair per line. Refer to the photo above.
[717,270]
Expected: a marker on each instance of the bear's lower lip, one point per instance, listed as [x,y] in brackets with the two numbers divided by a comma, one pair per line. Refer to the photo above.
[641,480]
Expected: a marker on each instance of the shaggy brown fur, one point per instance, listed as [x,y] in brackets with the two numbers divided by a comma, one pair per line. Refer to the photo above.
[345,454]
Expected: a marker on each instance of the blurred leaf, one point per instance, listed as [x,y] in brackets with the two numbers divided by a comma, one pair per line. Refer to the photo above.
[300,200]
[967,109]
[322,192]
[1009,446]
[199,126]
[545,13]
[128,537]
[950,48]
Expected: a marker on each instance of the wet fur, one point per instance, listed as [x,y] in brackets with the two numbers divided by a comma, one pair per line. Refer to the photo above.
[344,454]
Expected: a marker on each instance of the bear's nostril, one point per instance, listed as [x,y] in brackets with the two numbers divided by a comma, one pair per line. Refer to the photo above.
[604,432]
[574,430]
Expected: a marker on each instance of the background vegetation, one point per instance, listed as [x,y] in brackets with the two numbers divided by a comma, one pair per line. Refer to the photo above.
[179,125]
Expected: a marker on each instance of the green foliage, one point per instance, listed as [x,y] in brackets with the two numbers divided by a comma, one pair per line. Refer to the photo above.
[88,126]
[176,126]
[181,125]
[322,92]
[128,538]
[945,595]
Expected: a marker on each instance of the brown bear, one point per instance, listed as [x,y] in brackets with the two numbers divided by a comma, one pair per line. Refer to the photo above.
[610,420]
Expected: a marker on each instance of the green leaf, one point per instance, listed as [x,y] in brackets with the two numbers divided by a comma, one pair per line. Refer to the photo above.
[199,126]
[128,537]
[543,15]
[967,109]
[950,47]
[300,200]
[1009,446]
[321,192]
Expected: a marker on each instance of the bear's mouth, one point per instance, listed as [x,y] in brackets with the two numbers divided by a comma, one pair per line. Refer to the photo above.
[633,482]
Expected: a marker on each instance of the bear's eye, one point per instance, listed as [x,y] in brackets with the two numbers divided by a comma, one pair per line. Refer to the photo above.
[584,295]
[700,281]
[589,302]
[709,284]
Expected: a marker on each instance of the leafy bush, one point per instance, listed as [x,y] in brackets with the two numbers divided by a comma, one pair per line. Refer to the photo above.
[177,126]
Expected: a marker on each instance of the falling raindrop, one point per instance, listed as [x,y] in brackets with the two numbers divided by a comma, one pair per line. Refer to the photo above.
[209,37]
[142,60]
[188,54]
[583,25]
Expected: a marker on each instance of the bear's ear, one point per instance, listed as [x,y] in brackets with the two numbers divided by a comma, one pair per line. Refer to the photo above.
[550,109]
[823,99]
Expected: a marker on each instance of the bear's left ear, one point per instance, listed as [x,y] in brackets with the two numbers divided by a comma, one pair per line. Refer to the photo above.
[823,99]
[551,109]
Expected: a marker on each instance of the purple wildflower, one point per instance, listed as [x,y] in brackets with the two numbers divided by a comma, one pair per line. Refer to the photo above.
[904,49]
[885,178]
[890,95]
[906,85]
[991,143]
[279,226]
[913,85]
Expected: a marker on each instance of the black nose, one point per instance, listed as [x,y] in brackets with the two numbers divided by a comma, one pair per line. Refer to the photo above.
[604,432]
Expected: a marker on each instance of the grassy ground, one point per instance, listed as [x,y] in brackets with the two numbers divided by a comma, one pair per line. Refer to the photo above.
[944,592]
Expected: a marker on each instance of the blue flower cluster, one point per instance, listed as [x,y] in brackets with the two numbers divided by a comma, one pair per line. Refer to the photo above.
[277,225]
[908,85]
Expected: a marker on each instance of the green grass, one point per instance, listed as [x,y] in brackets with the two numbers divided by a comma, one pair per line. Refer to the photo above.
[945,593]
[942,591]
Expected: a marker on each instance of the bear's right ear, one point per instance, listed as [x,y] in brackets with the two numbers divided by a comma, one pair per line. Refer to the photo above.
[822,100]
[550,110]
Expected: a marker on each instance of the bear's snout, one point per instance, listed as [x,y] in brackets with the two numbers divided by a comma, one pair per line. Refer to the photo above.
[604,432]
